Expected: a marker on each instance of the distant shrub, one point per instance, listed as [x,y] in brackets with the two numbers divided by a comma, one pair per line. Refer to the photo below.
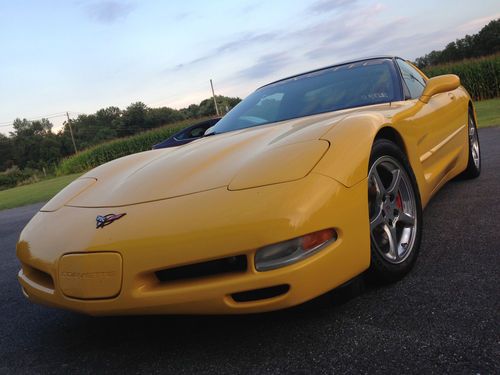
[14,176]
[104,152]
[481,76]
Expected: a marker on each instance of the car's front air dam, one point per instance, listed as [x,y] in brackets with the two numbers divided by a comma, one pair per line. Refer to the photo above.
[197,228]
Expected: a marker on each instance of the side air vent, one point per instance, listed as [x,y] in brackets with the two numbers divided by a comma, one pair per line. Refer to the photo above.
[39,277]
[199,270]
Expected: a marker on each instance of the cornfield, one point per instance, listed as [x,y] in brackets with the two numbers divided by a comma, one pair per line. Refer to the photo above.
[481,76]
[100,154]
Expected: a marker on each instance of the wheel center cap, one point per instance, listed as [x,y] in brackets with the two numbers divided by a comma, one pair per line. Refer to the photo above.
[388,210]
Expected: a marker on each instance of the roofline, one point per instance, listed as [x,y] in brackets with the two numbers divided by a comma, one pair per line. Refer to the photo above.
[392,57]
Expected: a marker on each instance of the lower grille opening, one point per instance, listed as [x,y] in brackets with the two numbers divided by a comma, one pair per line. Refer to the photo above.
[40,277]
[204,269]
[258,294]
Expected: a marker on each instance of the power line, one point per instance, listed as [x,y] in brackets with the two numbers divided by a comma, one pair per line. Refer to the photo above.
[37,118]
[44,116]
[10,123]
[63,113]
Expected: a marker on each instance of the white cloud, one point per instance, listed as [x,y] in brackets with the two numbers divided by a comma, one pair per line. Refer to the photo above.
[473,26]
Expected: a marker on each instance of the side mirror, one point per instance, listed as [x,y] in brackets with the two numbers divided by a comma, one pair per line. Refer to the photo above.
[439,84]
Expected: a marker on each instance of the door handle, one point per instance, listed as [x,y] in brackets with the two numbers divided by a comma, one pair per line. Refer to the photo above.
[451,95]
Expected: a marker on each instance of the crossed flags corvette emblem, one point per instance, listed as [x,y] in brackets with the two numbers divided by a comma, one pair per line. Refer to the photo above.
[102,220]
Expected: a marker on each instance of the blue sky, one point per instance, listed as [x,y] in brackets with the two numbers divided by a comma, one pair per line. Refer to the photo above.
[83,55]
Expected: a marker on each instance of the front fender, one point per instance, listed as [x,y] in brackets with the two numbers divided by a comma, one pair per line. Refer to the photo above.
[351,143]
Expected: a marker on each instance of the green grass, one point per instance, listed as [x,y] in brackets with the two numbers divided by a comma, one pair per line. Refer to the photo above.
[34,193]
[488,112]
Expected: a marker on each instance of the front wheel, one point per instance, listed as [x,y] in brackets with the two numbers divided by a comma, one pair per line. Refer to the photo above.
[395,213]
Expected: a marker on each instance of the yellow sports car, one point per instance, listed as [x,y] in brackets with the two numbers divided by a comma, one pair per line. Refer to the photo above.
[308,182]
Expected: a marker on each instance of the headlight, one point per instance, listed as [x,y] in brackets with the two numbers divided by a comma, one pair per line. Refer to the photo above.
[280,164]
[291,251]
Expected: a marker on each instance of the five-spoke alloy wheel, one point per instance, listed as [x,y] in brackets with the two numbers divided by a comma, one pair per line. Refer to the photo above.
[395,212]
[393,223]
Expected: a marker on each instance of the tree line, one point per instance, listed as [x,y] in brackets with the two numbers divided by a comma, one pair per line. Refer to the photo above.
[33,144]
[485,42]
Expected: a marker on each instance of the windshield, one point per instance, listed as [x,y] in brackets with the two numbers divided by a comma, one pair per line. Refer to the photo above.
[340,87]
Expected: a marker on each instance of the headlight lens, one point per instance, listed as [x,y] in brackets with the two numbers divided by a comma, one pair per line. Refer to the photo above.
[279,164]
[291,251]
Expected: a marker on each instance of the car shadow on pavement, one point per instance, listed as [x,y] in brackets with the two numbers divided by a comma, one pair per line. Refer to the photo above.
[152,331]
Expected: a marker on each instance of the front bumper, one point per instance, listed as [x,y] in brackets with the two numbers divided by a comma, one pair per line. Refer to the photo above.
[197,228]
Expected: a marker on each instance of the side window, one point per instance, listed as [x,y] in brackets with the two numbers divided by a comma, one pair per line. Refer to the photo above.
[414,81]
[195,132]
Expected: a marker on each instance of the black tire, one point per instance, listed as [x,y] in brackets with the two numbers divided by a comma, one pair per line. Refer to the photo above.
[473,170]
[382,270]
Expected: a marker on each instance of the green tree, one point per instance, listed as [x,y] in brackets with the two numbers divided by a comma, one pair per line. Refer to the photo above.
[485,42]
[133,119]
[160,116]
[35,146]
[6,152]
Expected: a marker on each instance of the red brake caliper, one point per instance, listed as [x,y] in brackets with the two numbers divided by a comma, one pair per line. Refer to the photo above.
[399,202]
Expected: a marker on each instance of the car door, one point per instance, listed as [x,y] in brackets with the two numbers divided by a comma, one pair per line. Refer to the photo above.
[441,126]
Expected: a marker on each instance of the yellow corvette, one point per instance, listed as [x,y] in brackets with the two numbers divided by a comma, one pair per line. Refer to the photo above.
[308,182]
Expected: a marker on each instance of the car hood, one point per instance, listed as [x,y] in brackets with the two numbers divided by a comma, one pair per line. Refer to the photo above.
[202,165]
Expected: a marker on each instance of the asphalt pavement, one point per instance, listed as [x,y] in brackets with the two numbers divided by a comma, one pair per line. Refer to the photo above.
[442,318]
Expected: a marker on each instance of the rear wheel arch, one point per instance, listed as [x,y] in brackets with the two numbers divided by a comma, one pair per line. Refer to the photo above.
[472,110]
[473,168]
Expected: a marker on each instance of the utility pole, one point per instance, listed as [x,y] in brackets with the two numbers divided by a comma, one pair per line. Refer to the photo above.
[71,132]
[213,95]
